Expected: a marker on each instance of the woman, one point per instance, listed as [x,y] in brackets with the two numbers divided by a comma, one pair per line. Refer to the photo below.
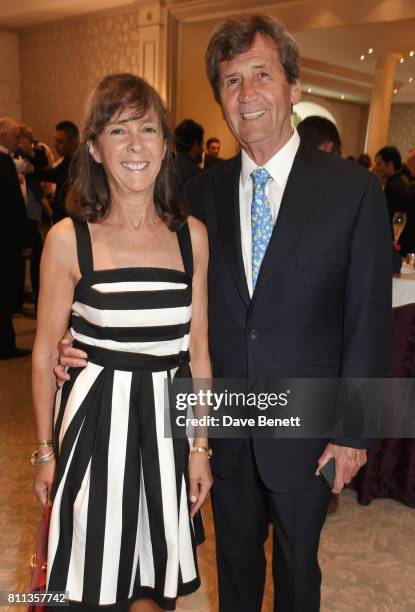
[130,271]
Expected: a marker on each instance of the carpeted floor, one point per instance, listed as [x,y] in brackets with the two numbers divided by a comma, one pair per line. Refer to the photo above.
[367,553]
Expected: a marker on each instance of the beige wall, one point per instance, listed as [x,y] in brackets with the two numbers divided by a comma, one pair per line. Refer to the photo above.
[194,96]
[402,128]
[9,76]
[60,65]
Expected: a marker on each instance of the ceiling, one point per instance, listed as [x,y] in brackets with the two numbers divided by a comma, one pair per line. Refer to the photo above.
[332,65]
[344,47]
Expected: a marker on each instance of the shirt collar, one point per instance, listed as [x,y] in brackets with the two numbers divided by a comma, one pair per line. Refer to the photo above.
[280,164]
[4,150]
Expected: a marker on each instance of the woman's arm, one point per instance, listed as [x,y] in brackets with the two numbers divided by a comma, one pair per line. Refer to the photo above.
[58,273]
[199,469]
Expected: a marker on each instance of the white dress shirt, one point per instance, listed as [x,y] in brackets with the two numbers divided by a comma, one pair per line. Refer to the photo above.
[279,167]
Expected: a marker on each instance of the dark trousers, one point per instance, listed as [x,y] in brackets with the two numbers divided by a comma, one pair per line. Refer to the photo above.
[36,244]
[7,333]
[243,508]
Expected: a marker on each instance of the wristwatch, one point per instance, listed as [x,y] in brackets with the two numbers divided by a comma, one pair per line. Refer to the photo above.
[202,449]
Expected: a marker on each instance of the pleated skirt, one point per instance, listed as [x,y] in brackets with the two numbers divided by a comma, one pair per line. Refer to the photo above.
[120,525]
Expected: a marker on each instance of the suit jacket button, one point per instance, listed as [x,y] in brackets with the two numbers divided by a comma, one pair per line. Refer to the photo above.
[253,334]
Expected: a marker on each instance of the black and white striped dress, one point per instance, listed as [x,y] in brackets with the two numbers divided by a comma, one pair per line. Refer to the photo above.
[120,526]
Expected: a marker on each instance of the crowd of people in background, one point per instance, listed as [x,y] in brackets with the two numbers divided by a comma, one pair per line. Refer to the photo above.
[34,186]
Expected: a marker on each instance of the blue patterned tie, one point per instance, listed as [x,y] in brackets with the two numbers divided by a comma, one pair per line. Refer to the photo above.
[261,220]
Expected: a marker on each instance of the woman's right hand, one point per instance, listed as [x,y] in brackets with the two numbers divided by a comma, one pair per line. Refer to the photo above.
[68,357]
[42,484]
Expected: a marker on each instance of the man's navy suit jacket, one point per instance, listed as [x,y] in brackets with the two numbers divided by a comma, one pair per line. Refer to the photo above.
[322,302]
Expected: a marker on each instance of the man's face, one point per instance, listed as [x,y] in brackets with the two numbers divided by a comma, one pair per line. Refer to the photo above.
[213,149]
[65,144]
[10,135]
[256,98]
[382,168]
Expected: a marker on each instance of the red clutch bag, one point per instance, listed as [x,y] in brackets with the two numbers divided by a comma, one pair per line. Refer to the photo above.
[38,561]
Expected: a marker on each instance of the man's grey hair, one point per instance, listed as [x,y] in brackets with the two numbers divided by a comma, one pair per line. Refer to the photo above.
[235,36]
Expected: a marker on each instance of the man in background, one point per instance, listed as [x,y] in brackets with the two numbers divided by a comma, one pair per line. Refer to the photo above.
[388,164]
[13,229]
[66,143]
[212,153]
[320,133]
[188,142]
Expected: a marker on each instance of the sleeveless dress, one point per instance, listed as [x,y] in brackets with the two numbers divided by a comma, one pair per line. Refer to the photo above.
[120,526]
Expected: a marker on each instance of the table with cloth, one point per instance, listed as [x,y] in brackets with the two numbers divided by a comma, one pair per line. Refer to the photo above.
[390,468]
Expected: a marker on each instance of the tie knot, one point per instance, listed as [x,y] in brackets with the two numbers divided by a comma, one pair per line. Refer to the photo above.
[260,177]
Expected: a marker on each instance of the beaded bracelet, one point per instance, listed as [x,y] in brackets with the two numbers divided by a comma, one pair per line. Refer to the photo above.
[205,450]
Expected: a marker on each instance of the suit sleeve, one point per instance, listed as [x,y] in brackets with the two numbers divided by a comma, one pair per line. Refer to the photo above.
[367,323]
[193,203]
[52,175]
[13,209]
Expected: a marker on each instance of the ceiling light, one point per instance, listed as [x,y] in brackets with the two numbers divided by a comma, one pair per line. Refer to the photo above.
[395,91]
[370,51]
[342,97]
[402,60]
[309,90]
[362,57]
[411,53]
[411,79]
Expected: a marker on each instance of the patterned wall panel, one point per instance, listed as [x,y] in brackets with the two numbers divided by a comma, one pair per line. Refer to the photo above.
[60,66]
[402,128]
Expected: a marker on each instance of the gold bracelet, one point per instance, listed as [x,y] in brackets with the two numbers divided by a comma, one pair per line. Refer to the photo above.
[205,450]
[45,443]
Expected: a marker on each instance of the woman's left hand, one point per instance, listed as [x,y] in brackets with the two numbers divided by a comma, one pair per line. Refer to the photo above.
[200,479]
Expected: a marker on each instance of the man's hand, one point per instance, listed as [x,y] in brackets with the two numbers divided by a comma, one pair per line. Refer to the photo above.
[348,463]
[68,357]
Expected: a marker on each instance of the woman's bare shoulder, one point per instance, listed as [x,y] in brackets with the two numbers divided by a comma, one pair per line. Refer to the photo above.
[61,241]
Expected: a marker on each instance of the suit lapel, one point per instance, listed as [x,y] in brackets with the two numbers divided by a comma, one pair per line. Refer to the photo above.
[304,188]
[226,197]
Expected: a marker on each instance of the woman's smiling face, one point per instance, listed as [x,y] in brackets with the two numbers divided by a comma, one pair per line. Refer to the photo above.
[131,150]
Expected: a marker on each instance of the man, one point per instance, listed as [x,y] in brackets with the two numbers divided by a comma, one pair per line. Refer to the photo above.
[66,143]
[30,150]
[212,153]
[12,237]
[188,142]
[388,166]
[318,305]
[320,133]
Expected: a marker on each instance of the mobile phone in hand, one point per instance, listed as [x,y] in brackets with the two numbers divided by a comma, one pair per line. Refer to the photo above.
[328,472]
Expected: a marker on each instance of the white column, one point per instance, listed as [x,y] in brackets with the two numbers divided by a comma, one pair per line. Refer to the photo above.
[380,104]
[150,19]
